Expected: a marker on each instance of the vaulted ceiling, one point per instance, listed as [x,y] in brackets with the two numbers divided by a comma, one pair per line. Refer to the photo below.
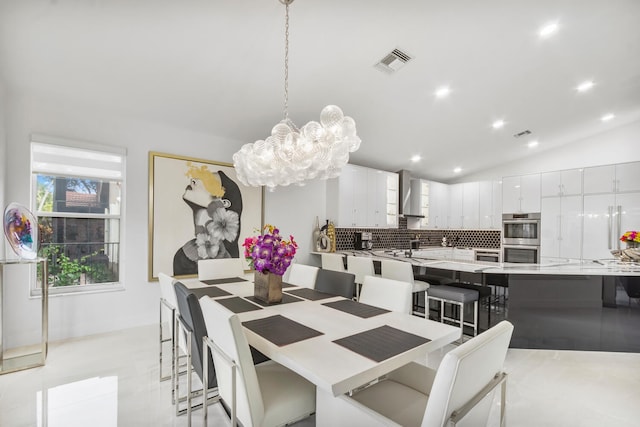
[216,66]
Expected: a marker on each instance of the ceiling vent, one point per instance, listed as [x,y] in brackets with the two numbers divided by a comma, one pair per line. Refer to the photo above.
[393,61]
[523,133]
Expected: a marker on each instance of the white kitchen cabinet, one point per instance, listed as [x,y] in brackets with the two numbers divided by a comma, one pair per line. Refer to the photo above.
[628,177]
[620,178]
[438,204]
[561,227]
[420,201]
[600,179]
[561,183]
[363,197]
[393,197]
[521,193]
[606,218]
[376,198]
[456,193]
[471,205]
[462,254]
[490,205]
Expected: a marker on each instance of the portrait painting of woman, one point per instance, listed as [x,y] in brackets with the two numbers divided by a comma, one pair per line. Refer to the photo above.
[199,211]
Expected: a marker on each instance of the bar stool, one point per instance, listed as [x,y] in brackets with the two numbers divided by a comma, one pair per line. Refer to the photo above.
[459,296]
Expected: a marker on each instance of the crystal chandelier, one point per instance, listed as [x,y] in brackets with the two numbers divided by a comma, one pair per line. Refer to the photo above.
[293,155]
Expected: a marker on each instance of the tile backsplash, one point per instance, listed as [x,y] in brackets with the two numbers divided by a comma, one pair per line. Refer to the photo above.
[399,238]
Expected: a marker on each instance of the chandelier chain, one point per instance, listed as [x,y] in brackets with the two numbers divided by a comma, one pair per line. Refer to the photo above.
[286,63]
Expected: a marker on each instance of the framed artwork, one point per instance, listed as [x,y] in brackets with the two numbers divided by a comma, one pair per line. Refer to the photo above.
[197,210]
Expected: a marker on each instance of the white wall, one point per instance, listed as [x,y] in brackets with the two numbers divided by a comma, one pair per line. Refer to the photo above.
[293,210]
[80,315]
[619,145]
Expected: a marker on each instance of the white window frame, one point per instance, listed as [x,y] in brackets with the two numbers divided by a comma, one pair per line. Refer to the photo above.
[35,290]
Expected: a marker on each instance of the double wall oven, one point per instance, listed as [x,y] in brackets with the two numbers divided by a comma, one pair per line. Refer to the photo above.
[521,238]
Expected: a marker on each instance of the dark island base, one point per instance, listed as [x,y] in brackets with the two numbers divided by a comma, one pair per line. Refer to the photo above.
[591,313]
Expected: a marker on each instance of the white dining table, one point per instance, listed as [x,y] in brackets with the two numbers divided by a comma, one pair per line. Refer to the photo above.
[330,366]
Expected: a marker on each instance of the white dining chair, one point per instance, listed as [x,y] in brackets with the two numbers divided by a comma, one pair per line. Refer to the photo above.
[167,313]
[333,262]
[302,275]
[360,267]
[222,268]
[263,395]
[385,293]
[401,270]
[459,393]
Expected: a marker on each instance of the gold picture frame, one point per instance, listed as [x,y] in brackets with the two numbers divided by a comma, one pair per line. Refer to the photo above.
[198,209]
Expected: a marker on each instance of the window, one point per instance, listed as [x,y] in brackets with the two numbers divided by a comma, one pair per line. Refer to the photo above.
[77,198]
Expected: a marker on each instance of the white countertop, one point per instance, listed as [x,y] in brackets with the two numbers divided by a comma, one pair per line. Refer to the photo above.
[609,267]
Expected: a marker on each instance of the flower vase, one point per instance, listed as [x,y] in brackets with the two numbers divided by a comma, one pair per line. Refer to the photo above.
[267,287]
[631,244]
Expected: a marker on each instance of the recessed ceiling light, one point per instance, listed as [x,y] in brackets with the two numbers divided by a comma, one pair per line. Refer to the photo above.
[532,144]
[585,86]
[548,30]
[443,92]
[457,170]
[416,158]
[498,124]
[607,117]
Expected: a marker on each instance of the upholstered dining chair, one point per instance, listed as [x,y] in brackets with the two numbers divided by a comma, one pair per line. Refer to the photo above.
[222,268]
[459,393]
[401,270]
[262,395]
[360,266]
[191,324]
[333,262]
[302,275]
[385,293]
[336,283]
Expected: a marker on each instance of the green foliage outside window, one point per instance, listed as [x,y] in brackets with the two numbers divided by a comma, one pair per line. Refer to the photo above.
[65,271]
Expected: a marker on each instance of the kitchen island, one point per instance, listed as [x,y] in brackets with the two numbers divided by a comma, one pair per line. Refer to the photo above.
[566,305]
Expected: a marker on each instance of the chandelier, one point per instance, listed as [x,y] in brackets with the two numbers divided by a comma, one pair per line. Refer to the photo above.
[293,155]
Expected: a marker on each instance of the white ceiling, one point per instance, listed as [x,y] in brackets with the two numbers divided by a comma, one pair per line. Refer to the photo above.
[217,66]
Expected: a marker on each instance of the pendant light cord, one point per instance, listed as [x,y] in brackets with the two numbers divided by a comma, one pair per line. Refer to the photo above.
[286,62]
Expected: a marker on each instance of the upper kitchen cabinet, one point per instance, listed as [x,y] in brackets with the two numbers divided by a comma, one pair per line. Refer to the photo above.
[456,197]
[521,193]
[363,197]
[438,204]
[490,206]
[561,183]
[471,205]
[619,178]
[420,200]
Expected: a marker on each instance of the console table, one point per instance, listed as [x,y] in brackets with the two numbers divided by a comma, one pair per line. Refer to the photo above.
[37,358]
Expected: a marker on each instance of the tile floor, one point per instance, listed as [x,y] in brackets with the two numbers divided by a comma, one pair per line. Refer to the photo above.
[111,380]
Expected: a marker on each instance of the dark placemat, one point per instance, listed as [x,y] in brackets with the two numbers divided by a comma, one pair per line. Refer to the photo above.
[310,294]
[223,281]
[212,292]
[237,304]
[285,300]
[381,343]
[281,330]
[356,308]
[287,285]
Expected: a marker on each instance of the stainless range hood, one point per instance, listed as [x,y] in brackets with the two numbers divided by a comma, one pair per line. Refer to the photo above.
[404,204]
